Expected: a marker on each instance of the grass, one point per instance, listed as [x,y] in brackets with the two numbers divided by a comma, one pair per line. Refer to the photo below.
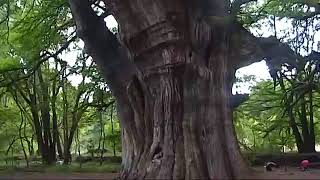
[89,167]
[86,167]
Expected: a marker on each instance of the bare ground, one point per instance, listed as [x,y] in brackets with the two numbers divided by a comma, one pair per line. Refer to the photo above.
[57,176]
[281,173]
[258,173]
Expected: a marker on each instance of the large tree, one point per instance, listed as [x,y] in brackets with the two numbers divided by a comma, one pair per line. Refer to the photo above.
[171,69]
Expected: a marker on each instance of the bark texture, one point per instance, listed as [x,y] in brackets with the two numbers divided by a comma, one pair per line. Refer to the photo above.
[171,69]
[179,123]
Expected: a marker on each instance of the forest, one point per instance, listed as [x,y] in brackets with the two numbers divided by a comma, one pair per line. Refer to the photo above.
[81,93]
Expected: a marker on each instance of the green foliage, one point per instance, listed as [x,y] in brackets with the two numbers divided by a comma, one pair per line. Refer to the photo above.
[260,121]
[30,32]
[9,65]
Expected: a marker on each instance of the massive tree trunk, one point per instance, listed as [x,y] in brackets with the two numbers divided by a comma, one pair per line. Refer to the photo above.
[180,118]
[171,71]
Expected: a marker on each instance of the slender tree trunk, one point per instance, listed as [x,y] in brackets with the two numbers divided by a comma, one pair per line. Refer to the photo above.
[66,151]
[311,125]
[292,119]
[308,146]
[26,139]
[32,145]
[112,132]
[38,130]
[100,133]
[59,147]
[55,132]
[79,148]
[295,130]
[103,149]
[49,147]
[76,116]
[21,141]
[102,136]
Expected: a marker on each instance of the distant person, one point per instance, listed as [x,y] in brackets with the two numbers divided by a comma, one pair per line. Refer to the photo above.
[304,165]
[269,165]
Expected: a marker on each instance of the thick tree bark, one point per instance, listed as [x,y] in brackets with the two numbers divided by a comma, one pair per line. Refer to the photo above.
[172,76]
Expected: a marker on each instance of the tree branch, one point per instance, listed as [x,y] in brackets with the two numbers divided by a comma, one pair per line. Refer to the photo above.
[47,55]
[253,49]
[237,99]
[103,46]
[43,58]
[247,49]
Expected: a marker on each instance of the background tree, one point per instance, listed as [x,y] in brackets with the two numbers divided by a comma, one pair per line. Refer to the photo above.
[35,77]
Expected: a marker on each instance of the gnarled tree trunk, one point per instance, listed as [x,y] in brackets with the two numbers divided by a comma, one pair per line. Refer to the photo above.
[177,122]
[178,118]
[171,70]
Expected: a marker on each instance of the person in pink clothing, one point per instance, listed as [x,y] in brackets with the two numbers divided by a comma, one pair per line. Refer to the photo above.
[304,165]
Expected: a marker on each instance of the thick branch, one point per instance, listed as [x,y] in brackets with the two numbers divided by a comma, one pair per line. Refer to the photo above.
[103,46]
[204,8]
[247,49]
[237,99]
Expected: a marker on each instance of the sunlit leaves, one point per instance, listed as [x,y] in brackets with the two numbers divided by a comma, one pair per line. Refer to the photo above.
[9,65]
[259,120]
[251,13]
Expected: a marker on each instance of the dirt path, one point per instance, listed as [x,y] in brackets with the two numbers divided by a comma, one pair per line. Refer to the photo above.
[57,176]
[291,173]
[259,173]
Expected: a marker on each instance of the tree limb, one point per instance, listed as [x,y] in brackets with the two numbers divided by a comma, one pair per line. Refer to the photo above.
[247,49]
[103,46]
[237,99]
[43,58]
